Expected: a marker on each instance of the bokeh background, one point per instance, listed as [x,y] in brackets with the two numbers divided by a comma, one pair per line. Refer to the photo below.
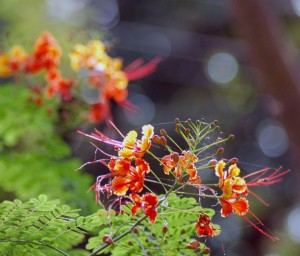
[232,61]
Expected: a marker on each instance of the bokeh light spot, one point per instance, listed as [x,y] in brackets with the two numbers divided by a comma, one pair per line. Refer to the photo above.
[293,224]
[296,6]
[66,10]
[222,67]
[145,110]
[272,138]
[106,13]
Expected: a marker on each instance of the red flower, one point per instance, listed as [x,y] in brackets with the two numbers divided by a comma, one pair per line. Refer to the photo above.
[238,206]
[182,164]
[203,226]
[127,177]
[147,202]
[130,147]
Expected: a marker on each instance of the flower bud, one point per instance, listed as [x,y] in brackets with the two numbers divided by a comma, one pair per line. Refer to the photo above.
[233,161]
[177,121]
[165,229]
[206,250]
[187,131]
[177,128]
[156,139]
[220,151]
[175,157]
[212,163]
[193,245]
[163,140]
[107,240]
[135,230]
[183,231]
[163,132]
[231,137]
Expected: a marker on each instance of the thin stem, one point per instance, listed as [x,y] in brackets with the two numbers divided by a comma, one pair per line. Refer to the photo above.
[104,246]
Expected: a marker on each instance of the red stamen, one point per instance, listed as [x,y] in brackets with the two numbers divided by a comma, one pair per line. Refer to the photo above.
[142,71]
[273,238]
[259,198]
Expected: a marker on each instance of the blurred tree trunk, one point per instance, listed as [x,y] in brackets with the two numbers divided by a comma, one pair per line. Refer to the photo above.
[258,25]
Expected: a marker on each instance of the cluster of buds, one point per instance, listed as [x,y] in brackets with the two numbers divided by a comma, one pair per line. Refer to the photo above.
[104,73]
[128,172]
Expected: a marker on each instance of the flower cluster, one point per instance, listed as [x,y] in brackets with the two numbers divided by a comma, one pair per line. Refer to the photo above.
[106,74]
[103,73]
[45,57]
[128,172]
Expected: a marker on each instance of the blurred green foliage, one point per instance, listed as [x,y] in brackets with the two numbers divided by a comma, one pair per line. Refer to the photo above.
[34,159]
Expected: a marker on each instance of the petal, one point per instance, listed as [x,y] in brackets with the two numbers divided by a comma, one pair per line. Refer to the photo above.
[120,185]
[241,206]
[219,169]
[233,170]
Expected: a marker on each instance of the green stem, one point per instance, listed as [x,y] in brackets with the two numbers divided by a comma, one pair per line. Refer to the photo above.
[104,246]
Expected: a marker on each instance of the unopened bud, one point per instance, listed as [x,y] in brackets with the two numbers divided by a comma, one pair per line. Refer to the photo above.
[177,128]
[163,132]
[177,121]
[175,157]
[163,140]
[156,139]
[187,131]
[233,161]
[231,137]
[206,250]
[135,230]
[107,240]
[212,163]
[165,229]
[193,245]
[220,151]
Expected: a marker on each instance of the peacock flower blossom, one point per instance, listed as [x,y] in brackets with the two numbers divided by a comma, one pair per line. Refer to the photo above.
[5,70]
[184,163]
[234,189]
[17,58]
[229,181]
[203,226]
[134,148]
[127,177]
[107,74]
[147,202]
[238,206]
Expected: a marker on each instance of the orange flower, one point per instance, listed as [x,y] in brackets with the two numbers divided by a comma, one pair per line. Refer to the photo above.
[238,206]
[46,51]
[203,226]
[233,187]
[5,70]
[182,163]
[147,202]
[134,148]
[128,177]
[231,184]
[106,73]
[98,112]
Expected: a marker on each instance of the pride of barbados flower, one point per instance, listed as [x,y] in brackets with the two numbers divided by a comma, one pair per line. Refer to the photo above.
[130,175]
[92,65]
[107,75]
[235,189]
